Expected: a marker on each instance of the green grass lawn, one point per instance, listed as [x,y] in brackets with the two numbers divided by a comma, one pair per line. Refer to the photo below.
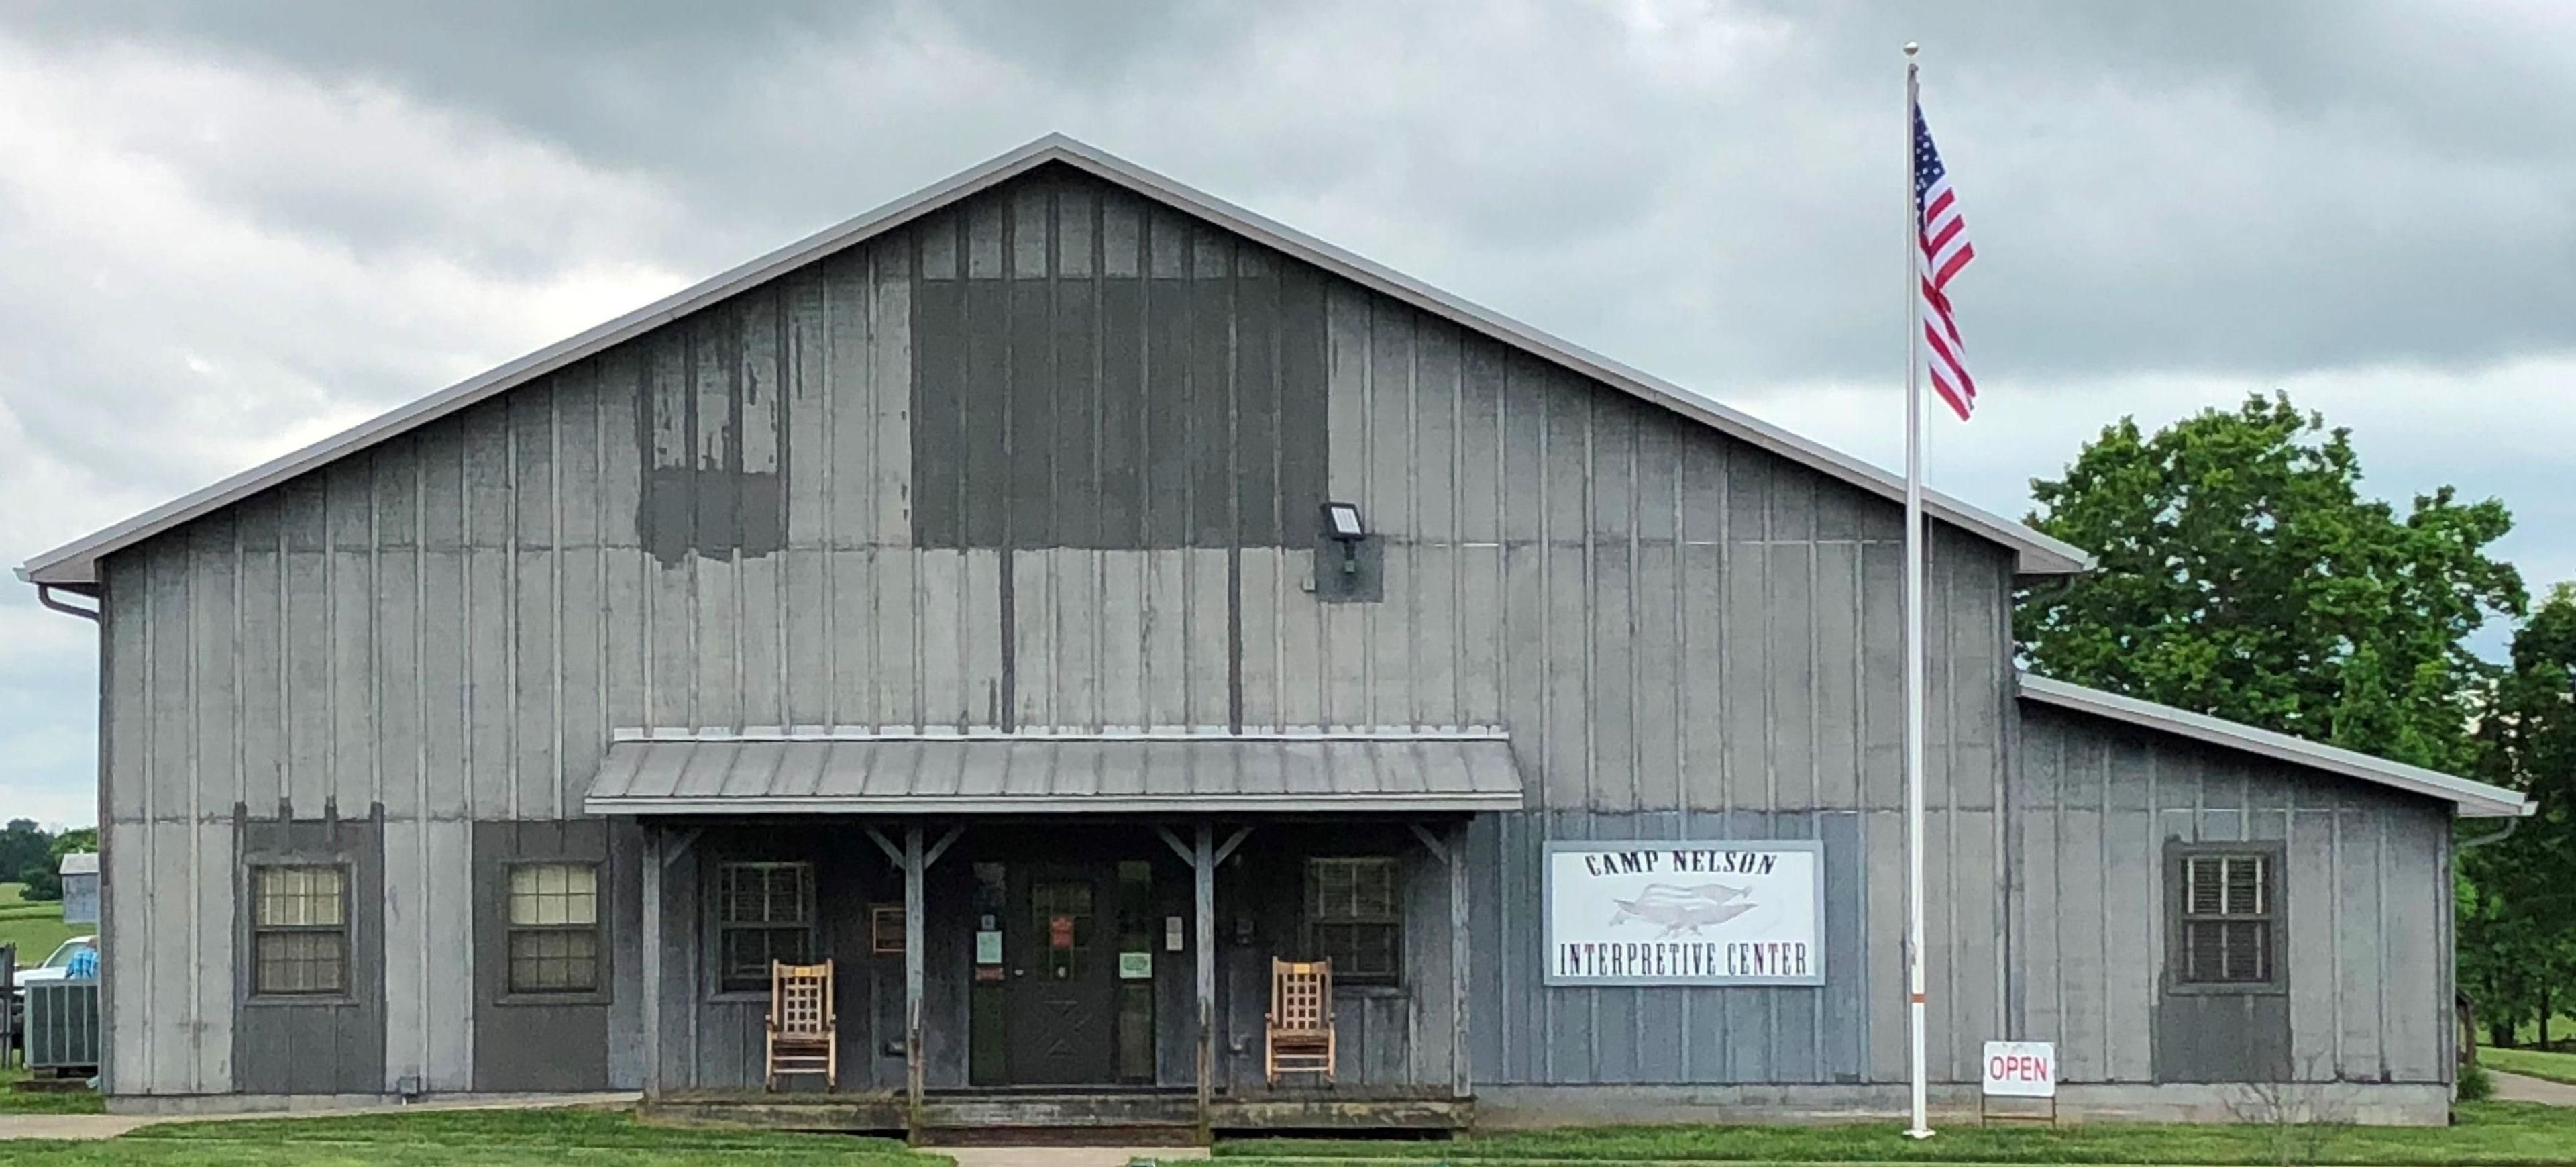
[36,928]
[2487,1133]
[2530,1063]
[15,1101]
[564,1138]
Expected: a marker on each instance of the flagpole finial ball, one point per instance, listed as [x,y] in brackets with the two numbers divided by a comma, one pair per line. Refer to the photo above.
[1911,47]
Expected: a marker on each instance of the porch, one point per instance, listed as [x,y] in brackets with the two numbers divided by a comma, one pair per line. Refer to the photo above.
[1077,956]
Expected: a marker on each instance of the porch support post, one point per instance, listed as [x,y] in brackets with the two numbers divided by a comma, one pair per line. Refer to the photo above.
[652,961]
[1204,862]
[1461,1063]
[912,963]
[1452,853]
[662,848]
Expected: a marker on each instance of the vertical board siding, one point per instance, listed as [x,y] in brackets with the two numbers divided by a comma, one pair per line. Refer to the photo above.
[2366,875]
[429,974]
[767,515]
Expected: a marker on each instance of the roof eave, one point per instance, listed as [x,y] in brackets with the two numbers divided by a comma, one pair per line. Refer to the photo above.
[1303,803]
[2468,799]
[76,562]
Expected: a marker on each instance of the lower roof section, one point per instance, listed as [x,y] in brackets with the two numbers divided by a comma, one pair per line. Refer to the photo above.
[2468,799]
[1140,774]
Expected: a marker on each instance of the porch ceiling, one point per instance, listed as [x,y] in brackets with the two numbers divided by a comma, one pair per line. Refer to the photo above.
[1143,774]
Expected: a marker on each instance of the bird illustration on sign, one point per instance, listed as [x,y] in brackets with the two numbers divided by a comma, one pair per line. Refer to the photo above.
[1679,909]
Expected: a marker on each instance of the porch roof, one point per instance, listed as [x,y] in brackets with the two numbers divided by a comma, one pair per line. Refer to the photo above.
[1041,774]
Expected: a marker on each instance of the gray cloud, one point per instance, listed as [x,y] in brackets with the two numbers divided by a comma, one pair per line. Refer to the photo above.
[2217,187]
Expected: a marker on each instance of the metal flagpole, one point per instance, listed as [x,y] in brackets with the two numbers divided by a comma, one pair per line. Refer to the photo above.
[1914,1003]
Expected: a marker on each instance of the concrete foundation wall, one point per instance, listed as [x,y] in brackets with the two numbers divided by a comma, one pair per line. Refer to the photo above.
[2365,1104]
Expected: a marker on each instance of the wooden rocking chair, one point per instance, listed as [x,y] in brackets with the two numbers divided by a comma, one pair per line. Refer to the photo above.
[1298,1031]
[803,1034]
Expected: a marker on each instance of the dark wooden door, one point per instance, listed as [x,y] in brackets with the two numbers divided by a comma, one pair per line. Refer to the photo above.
[1060,940]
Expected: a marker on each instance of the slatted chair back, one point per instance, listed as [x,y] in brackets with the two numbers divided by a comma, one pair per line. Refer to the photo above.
[1301,995]
[1298,1038]
[800,999]
[803,1031]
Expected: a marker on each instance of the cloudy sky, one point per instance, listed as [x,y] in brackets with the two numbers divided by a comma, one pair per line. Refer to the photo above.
[227,230]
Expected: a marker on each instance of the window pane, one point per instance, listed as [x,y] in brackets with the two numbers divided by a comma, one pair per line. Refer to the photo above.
[786,899]
[554,961]
[1375,953]
[301,962]
[1373,889]
[748,951]
[2204,883]
[1360,950]
[1351,889]
[1332,884]
[297,897]
[2245,886]
[2202,952]
[765,893]
[559,894]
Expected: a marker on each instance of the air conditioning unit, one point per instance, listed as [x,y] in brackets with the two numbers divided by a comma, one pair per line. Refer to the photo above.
[62,1026]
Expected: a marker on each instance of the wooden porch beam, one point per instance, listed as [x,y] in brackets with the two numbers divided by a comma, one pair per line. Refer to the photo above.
[1178,847]
[940,848]
[1190,854]
[893,853]
[1430,841]
[680,845]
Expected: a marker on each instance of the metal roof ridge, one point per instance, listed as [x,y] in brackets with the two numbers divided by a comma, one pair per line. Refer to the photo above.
[75,562]
[2488,801]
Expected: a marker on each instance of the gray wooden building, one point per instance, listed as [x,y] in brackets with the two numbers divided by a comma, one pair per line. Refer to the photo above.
[954,595]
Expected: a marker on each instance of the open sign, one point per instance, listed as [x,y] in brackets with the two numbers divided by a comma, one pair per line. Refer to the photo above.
[2021,1069]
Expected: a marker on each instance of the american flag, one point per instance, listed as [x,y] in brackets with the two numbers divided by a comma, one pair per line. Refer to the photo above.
[1945,249]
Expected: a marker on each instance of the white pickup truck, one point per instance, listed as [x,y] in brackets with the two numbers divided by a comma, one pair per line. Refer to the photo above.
[58,966]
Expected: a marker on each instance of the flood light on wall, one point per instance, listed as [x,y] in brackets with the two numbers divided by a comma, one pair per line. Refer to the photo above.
[1342,522]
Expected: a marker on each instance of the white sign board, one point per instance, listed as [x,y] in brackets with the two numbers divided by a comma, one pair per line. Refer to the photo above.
[2021,1069]
[1639,912]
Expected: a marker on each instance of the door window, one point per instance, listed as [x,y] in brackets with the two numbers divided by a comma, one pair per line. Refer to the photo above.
[1062,915]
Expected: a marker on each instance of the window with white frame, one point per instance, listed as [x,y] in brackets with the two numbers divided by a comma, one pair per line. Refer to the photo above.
[2228,933]
[554,928]
[299,929]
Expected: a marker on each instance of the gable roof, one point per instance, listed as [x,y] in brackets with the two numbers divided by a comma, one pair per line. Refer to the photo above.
[76,564]
[2468,799]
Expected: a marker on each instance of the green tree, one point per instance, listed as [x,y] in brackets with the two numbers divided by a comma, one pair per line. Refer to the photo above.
[74,841]
[2242,574]
[43,877]
[2517,939]
[23,846]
